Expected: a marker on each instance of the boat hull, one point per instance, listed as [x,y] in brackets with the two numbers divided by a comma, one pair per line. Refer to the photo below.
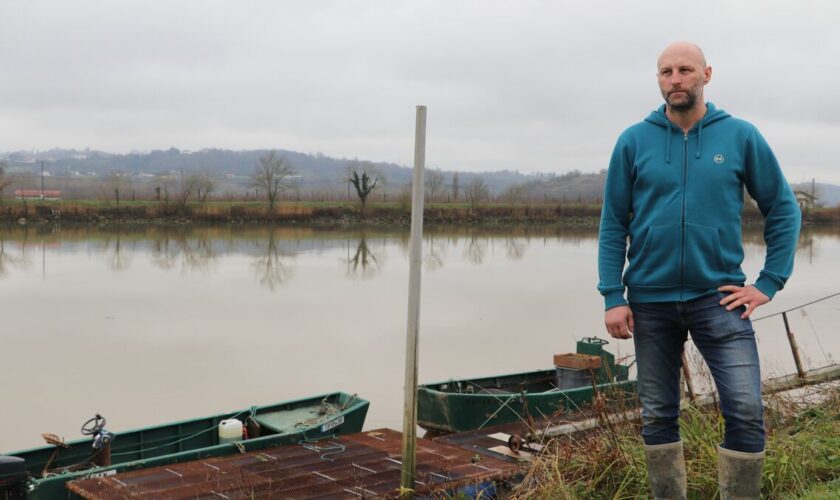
[283,423]
[441,411]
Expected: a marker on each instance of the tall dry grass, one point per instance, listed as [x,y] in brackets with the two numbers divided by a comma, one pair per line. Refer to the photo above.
[802,453]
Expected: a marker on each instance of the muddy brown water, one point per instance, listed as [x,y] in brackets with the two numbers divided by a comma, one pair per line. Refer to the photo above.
[154,325]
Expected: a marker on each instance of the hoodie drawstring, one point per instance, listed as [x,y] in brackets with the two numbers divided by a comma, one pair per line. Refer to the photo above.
[668,144]
[699,133]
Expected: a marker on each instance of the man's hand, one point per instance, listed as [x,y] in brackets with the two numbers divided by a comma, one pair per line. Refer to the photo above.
[619,321]
[748,296]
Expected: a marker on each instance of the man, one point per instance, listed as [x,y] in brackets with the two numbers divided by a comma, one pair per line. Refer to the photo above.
[675,187]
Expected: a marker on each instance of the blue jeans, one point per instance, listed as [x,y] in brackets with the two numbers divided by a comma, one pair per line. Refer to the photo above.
[725,341]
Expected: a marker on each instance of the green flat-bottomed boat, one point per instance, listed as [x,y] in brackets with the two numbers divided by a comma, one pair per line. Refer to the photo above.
[472,404]
[42,472]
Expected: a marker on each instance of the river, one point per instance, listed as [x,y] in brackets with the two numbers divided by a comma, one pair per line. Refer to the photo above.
[157,324]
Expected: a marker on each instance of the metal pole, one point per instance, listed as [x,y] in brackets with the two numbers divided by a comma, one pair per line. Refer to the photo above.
[793,347]
[409,444]
[42,179]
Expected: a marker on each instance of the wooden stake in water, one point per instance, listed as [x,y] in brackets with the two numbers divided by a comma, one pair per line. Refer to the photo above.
[409,444]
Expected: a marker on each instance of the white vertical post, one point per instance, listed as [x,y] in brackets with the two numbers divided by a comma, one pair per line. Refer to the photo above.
[409,443]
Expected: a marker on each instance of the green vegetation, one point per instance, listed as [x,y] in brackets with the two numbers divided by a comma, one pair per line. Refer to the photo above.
[802,457]
[344,213]
[470,211]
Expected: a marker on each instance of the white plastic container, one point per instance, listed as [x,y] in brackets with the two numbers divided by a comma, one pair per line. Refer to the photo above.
[230,430]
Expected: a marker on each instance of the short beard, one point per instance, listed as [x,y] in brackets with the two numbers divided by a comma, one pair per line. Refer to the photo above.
[688,104]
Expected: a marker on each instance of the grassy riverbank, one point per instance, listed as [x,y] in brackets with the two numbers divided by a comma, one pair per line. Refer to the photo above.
[311,213]
[333,213]
[802,457]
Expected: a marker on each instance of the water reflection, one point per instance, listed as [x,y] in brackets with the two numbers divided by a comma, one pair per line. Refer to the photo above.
[365,263]
[272,250]
[434,253]
[269,267]
[193,303]
[118,258]
[188,255]
[516,247]
[9,261]
[476,249]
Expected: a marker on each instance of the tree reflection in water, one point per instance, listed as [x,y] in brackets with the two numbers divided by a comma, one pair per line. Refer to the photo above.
[435,254]
[195,255]
[269,267]
[515,247]
[365,263]
[119,259]
[9,261]
[476,249]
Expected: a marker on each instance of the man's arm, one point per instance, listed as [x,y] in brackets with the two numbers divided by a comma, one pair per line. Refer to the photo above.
[767,185]
[614,226]
[612,242]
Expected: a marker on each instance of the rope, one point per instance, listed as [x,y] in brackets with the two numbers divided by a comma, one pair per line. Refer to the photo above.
[814,330]
[504,403]
[797,307]
[133,452]
[327,450]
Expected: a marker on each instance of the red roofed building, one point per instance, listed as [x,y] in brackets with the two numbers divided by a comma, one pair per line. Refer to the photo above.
[37,194]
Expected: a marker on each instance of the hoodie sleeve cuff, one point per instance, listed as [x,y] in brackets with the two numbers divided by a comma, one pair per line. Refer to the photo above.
[767,286]
[614,299]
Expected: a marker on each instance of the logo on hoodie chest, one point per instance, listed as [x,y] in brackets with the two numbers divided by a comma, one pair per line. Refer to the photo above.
[718,158]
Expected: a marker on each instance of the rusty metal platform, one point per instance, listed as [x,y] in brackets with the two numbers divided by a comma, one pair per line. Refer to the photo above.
[364,465]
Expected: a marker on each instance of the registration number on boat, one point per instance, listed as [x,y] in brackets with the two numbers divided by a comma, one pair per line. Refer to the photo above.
[333,424]
[104,473]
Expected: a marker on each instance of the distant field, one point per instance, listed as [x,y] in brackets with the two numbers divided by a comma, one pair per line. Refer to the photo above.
[324,212]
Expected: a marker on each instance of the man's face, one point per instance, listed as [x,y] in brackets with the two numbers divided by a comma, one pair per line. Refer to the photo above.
[682,75]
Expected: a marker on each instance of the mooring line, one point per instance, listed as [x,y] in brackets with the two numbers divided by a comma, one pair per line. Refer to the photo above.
[797,307]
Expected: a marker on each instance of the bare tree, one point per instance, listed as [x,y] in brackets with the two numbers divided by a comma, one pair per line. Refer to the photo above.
[272,176]
[164,183]
[516,194]
[4,179]
[456,186]
[186,186]
[205,185]
[367,181]
[117,183]
[477,192]
[434,181]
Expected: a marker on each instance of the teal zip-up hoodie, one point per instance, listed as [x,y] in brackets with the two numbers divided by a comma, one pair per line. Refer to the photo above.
[679,197]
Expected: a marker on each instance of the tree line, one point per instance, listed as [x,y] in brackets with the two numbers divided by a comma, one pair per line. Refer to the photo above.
[275,178]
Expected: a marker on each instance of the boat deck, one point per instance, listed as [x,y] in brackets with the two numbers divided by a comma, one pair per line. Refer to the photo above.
[360,465]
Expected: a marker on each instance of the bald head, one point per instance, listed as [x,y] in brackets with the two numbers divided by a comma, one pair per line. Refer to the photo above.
[682,73]
[684,51]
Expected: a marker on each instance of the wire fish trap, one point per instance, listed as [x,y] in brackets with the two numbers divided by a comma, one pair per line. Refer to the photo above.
[365,465]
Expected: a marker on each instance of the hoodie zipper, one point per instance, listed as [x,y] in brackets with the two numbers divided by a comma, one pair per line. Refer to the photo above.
[682,217]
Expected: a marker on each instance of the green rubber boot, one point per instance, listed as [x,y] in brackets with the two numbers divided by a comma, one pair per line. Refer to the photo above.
[739,474]
[666,470]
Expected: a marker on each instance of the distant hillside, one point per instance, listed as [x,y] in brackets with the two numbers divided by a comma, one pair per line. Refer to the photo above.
[82,173]
[573,186]
[316,172]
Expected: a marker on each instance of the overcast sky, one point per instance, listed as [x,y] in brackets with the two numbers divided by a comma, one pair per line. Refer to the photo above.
[525,85]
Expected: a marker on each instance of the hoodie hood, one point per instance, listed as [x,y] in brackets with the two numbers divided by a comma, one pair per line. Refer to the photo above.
[658,117]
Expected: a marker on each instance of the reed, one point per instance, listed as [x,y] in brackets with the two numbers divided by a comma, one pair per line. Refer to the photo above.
[801,454]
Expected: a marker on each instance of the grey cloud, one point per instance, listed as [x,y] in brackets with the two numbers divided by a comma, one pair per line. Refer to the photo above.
[533,85]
